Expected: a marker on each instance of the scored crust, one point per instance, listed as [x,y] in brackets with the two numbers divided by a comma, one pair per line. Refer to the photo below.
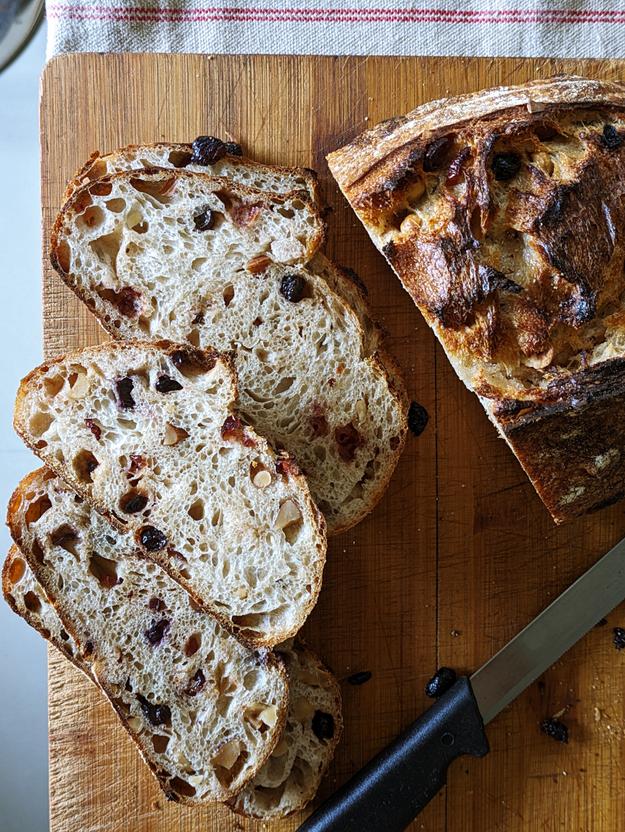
[250,553]
[98,625]
[502,214]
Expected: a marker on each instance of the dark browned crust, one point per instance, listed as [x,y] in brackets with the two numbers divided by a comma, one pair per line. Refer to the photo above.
[559,415]
[572,445]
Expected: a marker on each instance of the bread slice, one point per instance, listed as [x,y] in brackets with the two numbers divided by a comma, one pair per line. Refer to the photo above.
[206,155]
[205,710]
[501,212]
[312,378]
[290,778]
[291,775]
[23,593]
[147,434]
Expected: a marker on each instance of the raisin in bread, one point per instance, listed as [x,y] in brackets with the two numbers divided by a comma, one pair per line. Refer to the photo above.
[311,377]
[147,434]
[290,778]
[502,214]
[207,154]
[204,709]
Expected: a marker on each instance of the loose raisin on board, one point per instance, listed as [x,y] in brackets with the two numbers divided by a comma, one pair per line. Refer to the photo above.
[166,384]
[292,287]
[157,630]
[152,539]
[124,393]
[555,729]
[618,638]
[360,677]
[440,683]
[505,166]
[417,418]
[323,725]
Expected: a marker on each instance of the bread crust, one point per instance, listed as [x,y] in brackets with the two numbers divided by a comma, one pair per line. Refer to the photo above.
[79,661]
[249,637]
[92,169]
[519,271]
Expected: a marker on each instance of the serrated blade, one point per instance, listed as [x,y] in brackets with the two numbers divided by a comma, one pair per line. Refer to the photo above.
[550,634]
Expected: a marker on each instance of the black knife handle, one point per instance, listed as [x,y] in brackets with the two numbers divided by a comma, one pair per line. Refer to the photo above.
[391,790]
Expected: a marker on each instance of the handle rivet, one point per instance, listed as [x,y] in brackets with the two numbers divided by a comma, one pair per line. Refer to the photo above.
[448,739]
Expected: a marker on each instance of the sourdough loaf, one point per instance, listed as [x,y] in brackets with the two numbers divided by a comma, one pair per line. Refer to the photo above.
[313,379]
[204,710]
[502,214]
[147,434]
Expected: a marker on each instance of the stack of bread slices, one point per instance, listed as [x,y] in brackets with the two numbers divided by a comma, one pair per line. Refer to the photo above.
[173,545]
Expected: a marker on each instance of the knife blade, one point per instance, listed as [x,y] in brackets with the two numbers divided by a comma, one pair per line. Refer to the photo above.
[391,790]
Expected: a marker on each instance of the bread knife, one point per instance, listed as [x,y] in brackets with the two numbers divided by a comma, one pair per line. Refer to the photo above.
[391,790]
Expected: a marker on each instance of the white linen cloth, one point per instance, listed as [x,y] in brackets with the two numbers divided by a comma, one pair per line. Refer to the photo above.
[528,28]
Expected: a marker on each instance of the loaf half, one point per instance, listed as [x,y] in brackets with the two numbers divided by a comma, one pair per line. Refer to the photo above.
[147,435]
[290,778]
[502,212]
[313,379]
[205,710]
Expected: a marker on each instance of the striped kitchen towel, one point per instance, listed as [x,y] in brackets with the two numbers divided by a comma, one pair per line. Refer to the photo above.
[558,28]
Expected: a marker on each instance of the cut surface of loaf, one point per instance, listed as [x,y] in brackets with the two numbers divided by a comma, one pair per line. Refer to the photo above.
[502,212]
[206,155]
[290,778]
[188,692]
[147,434]
[311,376]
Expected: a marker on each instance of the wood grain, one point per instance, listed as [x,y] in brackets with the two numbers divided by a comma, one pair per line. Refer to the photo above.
[459,555]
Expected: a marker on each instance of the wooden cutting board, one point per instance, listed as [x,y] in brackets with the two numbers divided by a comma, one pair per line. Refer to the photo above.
[460,553]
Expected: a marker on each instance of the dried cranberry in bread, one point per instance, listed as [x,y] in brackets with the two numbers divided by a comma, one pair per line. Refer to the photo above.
[312,377]
[502,212]
[290,778]
[147,434]
[204,710]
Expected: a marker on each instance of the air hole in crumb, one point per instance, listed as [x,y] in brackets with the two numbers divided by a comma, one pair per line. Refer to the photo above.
[66,537]
[181,786]
[31,602]
[63,256]
[92,216]
[192,644]
[228,295]
[103,570]
[39,423]
[53,385]
[17,570]
[116,206]
[85,464]
[37,508]
[37,550]
[160,743]
[140,227]
[196,510]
